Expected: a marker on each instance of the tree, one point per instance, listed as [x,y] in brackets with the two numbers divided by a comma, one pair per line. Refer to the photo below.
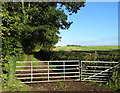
[27,24]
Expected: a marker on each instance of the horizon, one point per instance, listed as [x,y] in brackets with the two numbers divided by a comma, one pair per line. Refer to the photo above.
[91,45]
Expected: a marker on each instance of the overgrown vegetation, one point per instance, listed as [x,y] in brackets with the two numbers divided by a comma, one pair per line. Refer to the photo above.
[115,81]
[14,85]
[9,82]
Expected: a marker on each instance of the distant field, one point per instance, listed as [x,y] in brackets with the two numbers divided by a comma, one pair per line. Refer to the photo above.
[85,48]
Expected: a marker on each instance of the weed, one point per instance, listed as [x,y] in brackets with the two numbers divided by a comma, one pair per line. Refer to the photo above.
[14,85]
[62,85]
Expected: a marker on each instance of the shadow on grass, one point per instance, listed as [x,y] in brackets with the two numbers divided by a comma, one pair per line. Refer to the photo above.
[112,55]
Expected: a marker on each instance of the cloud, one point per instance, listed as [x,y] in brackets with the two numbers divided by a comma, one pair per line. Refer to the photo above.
[98,42]
[103,41]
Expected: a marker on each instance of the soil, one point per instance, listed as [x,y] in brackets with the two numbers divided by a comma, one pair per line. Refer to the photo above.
[68,86]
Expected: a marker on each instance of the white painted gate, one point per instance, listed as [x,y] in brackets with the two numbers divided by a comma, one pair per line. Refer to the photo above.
[97,71]
[47,71]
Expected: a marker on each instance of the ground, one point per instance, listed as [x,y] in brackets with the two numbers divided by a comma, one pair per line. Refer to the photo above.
[67,86]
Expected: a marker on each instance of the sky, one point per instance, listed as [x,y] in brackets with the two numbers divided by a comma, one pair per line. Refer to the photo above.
[96,24]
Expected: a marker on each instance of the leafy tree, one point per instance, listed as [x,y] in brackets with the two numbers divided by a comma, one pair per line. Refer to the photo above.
[27,24]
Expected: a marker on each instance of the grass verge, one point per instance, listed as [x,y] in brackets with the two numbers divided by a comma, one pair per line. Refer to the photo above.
[63,86]
[14,85]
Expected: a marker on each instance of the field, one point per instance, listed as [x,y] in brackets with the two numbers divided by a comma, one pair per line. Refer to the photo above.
[86,48]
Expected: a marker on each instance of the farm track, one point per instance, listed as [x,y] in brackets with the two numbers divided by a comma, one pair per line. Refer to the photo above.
[29,64]
[37,71]
[69,86]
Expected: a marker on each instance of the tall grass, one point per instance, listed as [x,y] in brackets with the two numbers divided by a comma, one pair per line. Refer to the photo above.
[115,81]
[10,83]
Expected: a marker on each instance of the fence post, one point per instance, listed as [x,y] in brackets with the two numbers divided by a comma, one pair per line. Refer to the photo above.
[64,69]
[48,71]
[81,70]
[31,71]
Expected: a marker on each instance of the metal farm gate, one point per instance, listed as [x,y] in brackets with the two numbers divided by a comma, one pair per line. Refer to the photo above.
[67,70]
[47,71]
[97,71]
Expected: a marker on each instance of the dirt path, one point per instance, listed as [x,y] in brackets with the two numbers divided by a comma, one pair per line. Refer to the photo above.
[28,64]
[69,86]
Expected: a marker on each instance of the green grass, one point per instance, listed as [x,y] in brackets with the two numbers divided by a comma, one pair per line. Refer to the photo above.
[62,49]
[21,58]
[99,47]
[14,85]
[87,48]
[63,86]
[33,58]
[24,58]
[20,64]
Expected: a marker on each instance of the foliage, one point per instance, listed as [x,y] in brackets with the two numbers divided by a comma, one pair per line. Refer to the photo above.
[26,25]
[62,85]
[9,82]
[115,81]
[77,55]
[14,85]
[54,55]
